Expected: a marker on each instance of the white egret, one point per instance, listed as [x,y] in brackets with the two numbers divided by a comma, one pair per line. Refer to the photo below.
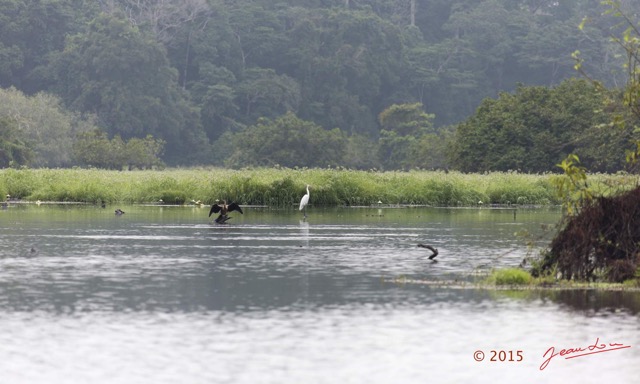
[304,201]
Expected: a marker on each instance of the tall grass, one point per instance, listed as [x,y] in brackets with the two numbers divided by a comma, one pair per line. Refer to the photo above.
[509,276]
[279,187]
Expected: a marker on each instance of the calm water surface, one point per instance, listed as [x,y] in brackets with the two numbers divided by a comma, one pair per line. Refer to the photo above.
[161,295]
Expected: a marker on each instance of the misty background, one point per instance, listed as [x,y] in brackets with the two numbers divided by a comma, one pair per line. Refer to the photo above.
[385,84]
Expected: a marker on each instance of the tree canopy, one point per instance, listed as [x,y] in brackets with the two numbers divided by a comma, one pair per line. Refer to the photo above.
[193,72]
[534,128]
[41,123]
[287,141]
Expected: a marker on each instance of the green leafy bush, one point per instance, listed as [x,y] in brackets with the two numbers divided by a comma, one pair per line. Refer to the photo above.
[509,276]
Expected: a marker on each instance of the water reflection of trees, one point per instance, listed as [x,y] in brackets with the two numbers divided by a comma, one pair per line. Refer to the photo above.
[584,300]
[592,300]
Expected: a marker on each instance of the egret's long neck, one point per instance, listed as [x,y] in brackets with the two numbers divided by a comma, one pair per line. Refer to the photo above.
[307,189]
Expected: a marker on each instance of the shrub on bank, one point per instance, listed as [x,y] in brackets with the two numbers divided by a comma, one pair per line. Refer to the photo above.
[601,242]
[509,276]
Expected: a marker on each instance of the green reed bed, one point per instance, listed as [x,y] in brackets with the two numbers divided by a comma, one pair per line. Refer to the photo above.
[279,187]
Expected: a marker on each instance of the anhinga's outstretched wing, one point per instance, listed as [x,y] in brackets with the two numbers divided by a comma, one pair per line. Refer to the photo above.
[234,207]
[215,208]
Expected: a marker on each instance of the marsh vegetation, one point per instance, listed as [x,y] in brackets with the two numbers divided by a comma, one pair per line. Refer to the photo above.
[280,187]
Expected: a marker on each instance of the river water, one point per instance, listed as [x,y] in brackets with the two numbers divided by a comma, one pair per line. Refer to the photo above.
[162,295]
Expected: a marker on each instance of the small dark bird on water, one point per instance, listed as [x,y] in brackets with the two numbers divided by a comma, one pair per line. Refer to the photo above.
[223,209]
[434,250]
[119,212]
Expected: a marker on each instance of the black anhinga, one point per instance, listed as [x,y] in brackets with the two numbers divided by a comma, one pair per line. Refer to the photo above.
[223,210]
[432,249]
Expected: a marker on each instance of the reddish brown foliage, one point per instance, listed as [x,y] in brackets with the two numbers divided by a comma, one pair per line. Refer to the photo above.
[603,237]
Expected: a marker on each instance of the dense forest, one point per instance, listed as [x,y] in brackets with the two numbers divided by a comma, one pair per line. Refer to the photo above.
[473,85]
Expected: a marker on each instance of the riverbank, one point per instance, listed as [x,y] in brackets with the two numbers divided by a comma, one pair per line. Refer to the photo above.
[515,279]
[279,187]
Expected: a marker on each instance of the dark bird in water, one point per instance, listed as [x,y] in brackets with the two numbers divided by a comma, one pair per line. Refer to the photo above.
[434,250]
[223,210]
[119,212]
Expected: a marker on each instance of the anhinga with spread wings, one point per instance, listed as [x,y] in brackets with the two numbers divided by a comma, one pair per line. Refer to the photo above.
[223,209]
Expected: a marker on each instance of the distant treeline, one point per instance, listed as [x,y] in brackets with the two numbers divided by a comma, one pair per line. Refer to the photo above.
[385,84]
